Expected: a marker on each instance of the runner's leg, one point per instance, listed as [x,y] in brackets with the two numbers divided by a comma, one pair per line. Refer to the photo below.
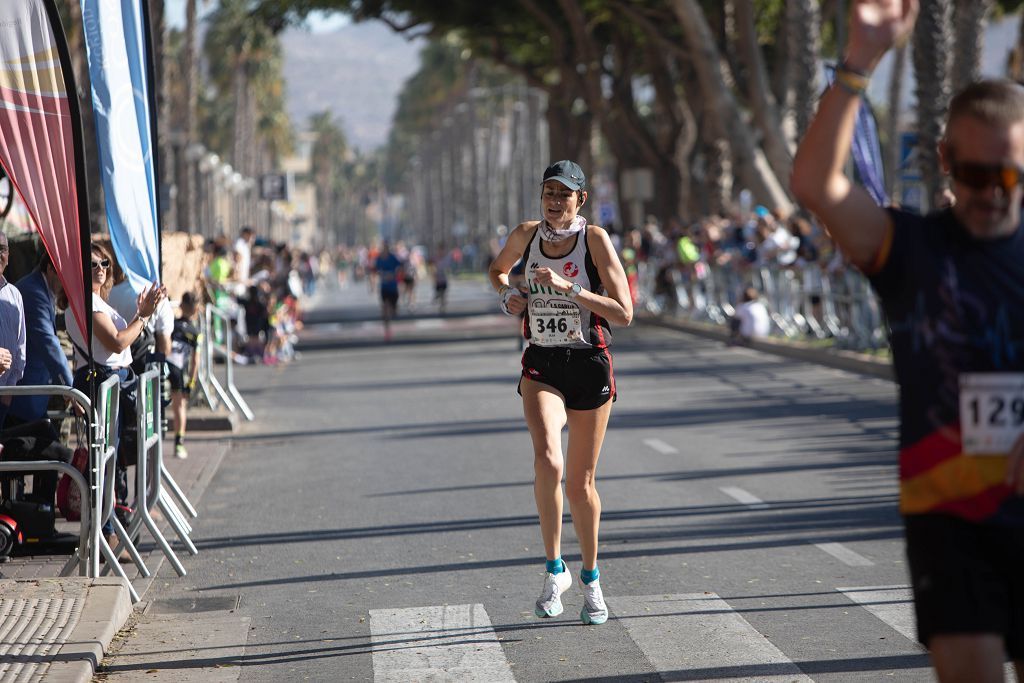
[586,435]
[967,658]
[544,408]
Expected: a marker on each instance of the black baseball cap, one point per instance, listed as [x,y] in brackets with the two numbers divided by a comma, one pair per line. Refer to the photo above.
[566,172]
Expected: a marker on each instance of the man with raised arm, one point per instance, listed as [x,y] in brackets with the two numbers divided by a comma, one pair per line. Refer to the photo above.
[952,286]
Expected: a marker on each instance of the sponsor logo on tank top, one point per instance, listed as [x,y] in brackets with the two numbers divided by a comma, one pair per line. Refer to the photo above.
[570,269]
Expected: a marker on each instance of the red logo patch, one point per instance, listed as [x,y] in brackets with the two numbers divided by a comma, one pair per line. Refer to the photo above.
[570,269]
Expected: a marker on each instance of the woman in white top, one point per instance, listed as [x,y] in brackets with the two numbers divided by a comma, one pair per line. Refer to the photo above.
[112,335]
[575,289]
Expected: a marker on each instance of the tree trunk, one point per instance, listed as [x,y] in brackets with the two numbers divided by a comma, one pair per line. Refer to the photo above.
[932,45]
[726,124]
[717,168]
[762,102]
[1015,60]
[899,67]
[569,133]
[187,197]
[805,29]
[165,155]
[782,71]
[969,26]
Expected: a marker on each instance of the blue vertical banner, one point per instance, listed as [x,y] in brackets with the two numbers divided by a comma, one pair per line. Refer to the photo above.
[115,43]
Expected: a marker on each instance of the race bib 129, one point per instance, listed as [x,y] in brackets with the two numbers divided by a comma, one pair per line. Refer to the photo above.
[991,411]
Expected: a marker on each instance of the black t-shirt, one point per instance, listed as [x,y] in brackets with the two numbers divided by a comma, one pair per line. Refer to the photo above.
[954,304]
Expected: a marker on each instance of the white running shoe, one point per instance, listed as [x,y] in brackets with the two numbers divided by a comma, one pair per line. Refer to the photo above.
[594,610]
[549,604]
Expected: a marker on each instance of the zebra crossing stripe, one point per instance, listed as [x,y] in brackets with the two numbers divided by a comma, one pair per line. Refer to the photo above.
[660,446]
[745,497]
[892,604]
[844,554]
[701,635]
[449,642]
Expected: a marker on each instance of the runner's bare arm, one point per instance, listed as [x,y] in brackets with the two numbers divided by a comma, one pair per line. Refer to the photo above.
[858,225]
[862,229]
[513,250]
[617,307]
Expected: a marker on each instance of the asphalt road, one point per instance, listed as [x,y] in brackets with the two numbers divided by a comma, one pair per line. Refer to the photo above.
[377,521]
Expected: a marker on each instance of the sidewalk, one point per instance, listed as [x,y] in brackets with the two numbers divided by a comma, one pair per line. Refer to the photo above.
[57,629]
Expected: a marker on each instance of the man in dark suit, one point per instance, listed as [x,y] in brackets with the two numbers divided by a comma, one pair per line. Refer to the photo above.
[45,361]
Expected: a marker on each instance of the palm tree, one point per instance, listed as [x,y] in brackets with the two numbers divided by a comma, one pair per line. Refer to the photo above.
[245,62]
[968,26]
[327,161]
[932,49]
[188,216]
[804,19]
[899,67]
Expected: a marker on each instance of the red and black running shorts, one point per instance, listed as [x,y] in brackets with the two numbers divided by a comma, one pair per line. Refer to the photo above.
[583,377]
[968,578]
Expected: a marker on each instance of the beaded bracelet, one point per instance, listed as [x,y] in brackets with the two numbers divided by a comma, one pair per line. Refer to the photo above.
[851,80]
[850,83]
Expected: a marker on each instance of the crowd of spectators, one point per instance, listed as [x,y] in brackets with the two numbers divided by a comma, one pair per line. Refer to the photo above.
[725,257]
[258,286]
[739,241]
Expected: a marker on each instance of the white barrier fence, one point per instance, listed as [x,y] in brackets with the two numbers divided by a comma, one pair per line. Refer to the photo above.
[805,302]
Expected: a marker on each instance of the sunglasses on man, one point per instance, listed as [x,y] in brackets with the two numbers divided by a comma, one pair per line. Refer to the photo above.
[104,264]
[983,176]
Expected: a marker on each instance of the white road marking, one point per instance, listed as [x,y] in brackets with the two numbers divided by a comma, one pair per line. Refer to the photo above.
[745,497]
[699,633]
[438,643]
[845,555]
[892,604]
[661,446]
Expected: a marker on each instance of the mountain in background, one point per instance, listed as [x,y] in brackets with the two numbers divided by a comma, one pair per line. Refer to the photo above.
[356,72]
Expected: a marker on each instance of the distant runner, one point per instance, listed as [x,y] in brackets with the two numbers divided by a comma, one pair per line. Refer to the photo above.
[388,269]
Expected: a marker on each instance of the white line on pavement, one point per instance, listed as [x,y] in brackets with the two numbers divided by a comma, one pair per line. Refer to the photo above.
[745,497]
[845,555]
[699,634]
[661,446]
[892,604]
[450,642]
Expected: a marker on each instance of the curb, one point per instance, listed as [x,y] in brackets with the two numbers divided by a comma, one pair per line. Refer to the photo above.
[210,421]
[105,610]
[850,361]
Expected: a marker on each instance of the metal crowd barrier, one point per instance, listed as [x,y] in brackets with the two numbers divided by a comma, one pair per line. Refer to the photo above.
[150,475]
[806,301]
[82,560]
[98,497]
[105,443]
[217,341]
